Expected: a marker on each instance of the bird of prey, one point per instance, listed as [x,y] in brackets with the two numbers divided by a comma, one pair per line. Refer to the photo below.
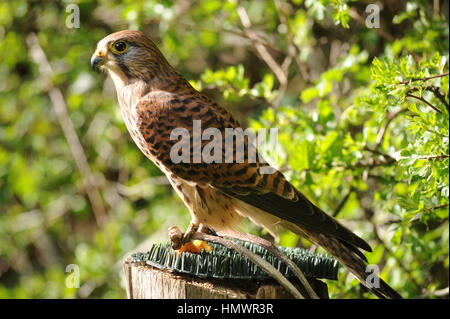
[155,100]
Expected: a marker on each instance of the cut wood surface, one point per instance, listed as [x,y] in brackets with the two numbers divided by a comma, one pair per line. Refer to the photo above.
[147,282]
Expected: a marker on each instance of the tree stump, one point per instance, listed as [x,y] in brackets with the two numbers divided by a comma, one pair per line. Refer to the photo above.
[146,282]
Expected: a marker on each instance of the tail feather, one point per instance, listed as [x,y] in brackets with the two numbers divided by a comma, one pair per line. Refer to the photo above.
[352,260]
[385,291]
[305,219]
[357,266]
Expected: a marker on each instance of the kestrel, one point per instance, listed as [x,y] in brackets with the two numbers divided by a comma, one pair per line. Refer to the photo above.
[156,101]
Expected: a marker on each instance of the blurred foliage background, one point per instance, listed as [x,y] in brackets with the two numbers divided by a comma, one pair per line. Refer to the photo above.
[362,117]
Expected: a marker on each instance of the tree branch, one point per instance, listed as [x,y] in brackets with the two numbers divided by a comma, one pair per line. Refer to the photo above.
[435,90]
[424,79]
[431,157]
[292,48]
[369,213]
[441,293]
[343,202]
[374,151]
[424,101]
[374,163]
[380,31]
[239,33]
[438,94]
[437,207]
[59,105]
[381,133]
[265,55]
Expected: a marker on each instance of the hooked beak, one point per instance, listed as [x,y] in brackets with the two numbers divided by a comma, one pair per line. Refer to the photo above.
[97,61]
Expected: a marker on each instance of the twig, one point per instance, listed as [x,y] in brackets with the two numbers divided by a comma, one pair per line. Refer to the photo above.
[265,55]
[355,15]
[380,31]
[292,49]
[424,101]
[424,79]
[175,235]
[229,86]
[139,188]
[431,157]
[436,9]
[436,207]
[342,202]
[374,163]
[59,105]
[438,94]
[386,156]
[238,33]
[245,35]
[386,179]
[437,293]
[369,213]
[390,117]
[389,159]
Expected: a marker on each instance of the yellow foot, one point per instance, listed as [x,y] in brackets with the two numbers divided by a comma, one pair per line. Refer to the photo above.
[195,246]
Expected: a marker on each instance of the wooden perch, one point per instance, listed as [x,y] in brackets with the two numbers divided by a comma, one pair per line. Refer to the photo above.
[147,282]
[176,235]
[229,269]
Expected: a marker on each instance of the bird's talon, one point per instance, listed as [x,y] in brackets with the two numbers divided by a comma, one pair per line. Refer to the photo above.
[176,237]
[186,237]
[188,234]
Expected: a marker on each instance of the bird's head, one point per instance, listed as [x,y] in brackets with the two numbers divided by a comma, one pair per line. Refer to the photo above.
[129,56]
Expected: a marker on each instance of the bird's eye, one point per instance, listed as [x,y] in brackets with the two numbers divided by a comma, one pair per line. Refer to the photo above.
[119,47]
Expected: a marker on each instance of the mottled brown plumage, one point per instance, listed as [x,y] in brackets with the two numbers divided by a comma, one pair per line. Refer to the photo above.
[155,99]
